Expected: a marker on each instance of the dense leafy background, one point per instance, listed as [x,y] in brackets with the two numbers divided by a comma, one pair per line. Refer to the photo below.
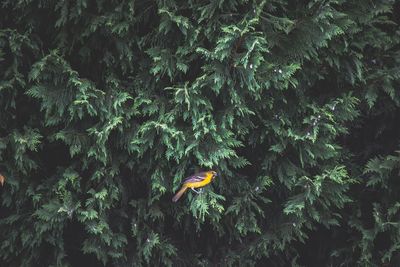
[106,105]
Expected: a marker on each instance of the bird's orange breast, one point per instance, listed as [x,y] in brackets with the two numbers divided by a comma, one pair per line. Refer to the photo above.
[206,181]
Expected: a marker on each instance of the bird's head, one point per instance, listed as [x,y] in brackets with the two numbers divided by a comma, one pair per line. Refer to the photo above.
[213,173]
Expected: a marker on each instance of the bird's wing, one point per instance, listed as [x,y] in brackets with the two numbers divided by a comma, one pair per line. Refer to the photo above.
[198,177]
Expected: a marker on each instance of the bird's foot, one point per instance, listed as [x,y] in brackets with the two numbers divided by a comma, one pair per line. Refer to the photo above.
[197,191]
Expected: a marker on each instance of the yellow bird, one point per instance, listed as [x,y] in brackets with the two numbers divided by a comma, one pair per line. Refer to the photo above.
[195,181]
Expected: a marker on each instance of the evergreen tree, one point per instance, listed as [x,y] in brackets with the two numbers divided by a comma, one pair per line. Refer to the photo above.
[106,105]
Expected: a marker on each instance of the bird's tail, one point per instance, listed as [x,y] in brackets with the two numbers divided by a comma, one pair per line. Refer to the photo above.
[179,194]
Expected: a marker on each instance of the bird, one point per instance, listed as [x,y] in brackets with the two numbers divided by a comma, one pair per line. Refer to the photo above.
[197,180]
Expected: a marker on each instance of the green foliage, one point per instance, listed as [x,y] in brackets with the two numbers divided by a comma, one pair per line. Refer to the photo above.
[105,106]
